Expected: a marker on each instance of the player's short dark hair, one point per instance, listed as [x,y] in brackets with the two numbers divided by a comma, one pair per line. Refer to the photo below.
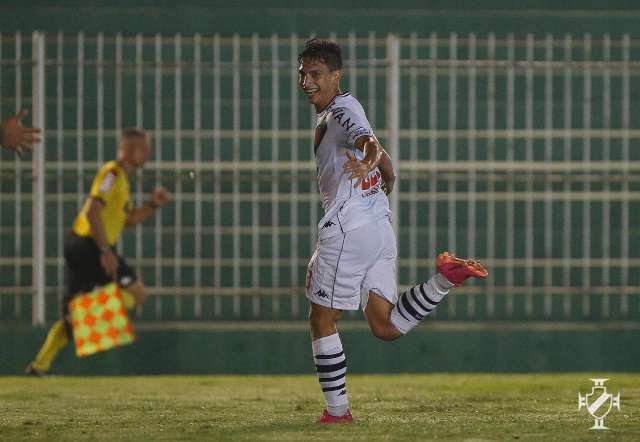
[326,51]
[129,133]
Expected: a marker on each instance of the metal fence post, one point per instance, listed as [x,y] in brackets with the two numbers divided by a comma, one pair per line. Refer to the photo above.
[393,116]
[39,240]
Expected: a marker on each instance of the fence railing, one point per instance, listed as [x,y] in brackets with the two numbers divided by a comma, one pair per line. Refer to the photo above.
[517,150]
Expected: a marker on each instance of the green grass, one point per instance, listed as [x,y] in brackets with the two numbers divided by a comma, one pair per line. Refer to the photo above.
[283,408]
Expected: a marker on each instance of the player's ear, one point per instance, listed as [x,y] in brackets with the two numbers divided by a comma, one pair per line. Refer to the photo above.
[337,75]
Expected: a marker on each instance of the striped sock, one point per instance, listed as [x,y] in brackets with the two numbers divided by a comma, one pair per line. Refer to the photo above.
[418,302]
[331,366]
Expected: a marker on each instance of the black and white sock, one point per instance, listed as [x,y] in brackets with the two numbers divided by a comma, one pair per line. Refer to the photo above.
[331,366]
[418,302]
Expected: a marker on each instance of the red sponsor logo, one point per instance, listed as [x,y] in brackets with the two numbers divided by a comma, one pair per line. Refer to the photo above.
[371,184]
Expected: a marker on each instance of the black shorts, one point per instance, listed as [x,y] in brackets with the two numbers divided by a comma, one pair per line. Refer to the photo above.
[84,271]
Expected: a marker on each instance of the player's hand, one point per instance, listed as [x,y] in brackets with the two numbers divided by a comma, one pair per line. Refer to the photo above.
[109,262]
[358,170]
[16,137]
[160,196]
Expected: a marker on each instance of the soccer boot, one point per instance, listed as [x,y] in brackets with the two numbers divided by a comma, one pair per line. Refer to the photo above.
[457,270]
[327,418]
[32,371]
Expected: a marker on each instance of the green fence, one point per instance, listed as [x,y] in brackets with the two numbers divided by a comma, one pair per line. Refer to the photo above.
[516,149]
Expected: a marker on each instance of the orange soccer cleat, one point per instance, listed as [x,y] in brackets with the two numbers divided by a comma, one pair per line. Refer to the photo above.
[327,418]
[457,270]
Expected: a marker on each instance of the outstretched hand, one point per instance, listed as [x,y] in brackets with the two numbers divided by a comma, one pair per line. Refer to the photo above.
[358,170]
[16,137]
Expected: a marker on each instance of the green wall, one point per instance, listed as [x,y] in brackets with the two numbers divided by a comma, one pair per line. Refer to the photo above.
[266,17]
[285,348]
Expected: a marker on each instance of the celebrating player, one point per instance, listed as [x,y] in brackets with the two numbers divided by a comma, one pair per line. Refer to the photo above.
[90,252]
[355,261]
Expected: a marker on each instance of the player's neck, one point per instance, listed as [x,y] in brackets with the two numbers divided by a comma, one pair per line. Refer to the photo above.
[125,165]
[322,106]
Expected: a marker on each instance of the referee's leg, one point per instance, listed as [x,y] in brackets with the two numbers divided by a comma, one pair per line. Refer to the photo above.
[57,339]
[82,259]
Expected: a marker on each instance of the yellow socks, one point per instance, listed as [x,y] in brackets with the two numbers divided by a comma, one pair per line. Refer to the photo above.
[56,340]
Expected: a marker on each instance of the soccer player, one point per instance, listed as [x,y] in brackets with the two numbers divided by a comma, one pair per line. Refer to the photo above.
[89,250]
[17,137]
[355,260]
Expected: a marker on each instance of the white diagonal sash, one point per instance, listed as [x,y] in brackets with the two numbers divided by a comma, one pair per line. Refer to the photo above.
[598,403]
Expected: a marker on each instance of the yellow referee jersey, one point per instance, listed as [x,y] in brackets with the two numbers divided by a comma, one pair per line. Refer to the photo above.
[111,186]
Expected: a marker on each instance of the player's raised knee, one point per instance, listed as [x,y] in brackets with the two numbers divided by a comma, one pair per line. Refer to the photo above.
[385,332]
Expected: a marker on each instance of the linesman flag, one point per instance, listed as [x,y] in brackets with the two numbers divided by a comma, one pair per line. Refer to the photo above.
[99,320]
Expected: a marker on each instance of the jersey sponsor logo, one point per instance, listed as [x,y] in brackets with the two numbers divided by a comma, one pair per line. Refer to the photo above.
[371,184]
[108,181]
[338,115]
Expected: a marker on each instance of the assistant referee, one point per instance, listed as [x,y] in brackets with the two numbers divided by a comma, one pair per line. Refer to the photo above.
[89,250]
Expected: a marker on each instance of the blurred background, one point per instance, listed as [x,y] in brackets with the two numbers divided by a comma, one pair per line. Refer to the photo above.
[513,127]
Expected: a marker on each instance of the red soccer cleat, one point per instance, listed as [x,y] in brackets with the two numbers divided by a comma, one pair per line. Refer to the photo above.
[326,418]
[457,270]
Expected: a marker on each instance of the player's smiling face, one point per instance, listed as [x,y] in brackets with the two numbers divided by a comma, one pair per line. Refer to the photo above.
[319,83]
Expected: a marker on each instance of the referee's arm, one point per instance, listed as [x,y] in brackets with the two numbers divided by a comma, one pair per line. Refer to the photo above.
[108,259]
[95,221]
[159,198]
[139,214]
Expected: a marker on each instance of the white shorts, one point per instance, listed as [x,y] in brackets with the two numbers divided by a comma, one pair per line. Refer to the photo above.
[347,266]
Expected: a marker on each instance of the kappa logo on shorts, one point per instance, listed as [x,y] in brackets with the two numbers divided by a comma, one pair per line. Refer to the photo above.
[321,294]
[328,224]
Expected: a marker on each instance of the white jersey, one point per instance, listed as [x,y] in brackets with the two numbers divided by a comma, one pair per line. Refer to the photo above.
[338,126]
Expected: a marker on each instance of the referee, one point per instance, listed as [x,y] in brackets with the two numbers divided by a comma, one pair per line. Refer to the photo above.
[89,250]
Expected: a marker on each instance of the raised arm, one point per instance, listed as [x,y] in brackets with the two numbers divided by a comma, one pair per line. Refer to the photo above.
[159,198]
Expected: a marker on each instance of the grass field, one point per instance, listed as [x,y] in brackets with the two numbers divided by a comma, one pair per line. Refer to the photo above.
[283,408]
